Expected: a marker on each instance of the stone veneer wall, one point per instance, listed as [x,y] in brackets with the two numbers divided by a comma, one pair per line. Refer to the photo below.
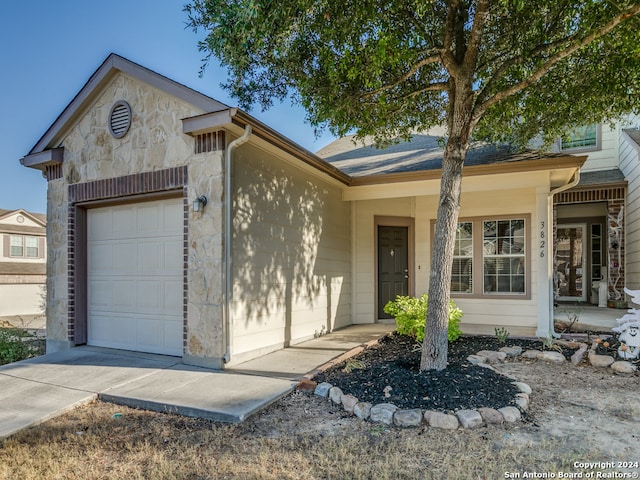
[154,143]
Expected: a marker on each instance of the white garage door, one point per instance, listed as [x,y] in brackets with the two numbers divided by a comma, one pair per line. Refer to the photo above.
[135,276]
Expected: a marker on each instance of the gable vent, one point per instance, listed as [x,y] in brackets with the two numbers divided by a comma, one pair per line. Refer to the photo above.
[120,119]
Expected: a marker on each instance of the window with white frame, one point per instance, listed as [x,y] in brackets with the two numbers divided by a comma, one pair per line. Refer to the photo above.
[462,272]
[503,253]
[25,246]
[585,137]
[490,257]
[17,246]
[32,250]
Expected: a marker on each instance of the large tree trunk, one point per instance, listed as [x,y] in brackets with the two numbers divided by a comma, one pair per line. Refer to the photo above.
[434,349]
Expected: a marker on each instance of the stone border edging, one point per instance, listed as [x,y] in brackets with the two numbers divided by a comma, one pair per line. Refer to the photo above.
[390,414]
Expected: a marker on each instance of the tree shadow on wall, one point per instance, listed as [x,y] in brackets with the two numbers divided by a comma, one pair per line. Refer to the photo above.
[291,241]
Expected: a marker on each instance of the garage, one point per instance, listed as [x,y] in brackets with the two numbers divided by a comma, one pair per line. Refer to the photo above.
[135,262]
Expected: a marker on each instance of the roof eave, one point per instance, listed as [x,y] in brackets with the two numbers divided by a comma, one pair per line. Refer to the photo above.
[43,159]
[545,163]
[233,117]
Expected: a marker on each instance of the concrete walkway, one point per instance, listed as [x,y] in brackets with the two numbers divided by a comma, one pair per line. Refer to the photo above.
[589,317]
[41,388]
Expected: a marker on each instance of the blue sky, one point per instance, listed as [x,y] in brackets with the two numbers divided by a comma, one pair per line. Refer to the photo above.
[49,49]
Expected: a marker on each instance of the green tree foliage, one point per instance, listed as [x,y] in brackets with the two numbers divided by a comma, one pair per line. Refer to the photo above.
[502,70]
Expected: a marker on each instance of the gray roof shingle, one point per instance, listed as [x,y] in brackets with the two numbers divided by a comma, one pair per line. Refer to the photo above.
[601,177]
[634,134]
[422,153]
[22,268]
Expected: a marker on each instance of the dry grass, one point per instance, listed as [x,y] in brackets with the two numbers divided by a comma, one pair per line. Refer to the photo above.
[297,438]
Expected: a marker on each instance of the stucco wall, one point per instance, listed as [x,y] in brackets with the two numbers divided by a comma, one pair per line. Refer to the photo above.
[481,315]
[291,255]
[155,142]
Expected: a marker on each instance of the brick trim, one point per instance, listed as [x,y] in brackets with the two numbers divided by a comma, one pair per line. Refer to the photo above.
[128,189]
[53,172]
[210,142]
[594,195]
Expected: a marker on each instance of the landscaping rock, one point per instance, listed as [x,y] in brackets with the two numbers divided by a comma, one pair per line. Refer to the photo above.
[485,365]
[469,418]
[306,385]
[491,356]
[510,414]
[523,387]
[551,356]
[383,413]
[335,395]
[362,410]
[322,390]
[408,418]
[602,361]
[531,354]
[491,416]
[576,358]
[522,401]
[623,367]
[513,351]
[443,420]
[475,359]
[348,403]
[572,344]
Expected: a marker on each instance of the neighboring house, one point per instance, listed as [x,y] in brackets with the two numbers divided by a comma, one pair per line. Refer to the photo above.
[179,225]
[22,264]
[597,220]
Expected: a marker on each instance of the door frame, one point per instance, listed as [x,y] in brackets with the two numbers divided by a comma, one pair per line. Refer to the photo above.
[586,264]
[389,221]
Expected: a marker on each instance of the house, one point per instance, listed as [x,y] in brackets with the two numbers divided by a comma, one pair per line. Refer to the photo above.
[597,220]
[22,266]
[179,225]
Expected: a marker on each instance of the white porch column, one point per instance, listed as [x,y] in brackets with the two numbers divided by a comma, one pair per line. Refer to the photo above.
[543,257]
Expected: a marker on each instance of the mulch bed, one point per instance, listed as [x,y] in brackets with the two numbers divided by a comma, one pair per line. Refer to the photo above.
[394,362]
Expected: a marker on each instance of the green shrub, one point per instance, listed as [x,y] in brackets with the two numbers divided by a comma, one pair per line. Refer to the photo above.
[411,314]
[12,346]
[502,334]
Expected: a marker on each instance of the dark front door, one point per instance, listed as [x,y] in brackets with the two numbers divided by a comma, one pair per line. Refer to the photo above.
[393,265]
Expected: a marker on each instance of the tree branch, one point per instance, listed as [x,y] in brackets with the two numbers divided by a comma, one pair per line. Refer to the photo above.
[434,87]
[403,78]
[475,38]
[518,60]
[448,58]
[481,108]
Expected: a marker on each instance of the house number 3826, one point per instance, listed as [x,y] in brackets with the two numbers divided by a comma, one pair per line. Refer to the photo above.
[543,242]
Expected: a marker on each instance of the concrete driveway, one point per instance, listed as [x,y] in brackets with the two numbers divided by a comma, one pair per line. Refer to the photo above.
[35,390]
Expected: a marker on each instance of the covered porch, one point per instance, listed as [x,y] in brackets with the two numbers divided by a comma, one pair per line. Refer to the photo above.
[590,317]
